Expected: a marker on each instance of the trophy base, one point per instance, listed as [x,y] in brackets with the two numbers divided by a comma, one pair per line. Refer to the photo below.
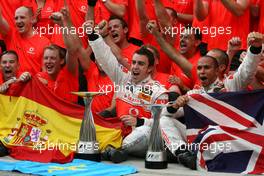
[156,160]
[91,157]
[156,165]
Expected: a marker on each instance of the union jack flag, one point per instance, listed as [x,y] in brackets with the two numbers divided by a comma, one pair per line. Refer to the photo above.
[227,131]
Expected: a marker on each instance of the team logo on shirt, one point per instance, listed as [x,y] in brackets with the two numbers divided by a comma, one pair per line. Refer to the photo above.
[83,8]
[49,10]
[31,50]
[134,112]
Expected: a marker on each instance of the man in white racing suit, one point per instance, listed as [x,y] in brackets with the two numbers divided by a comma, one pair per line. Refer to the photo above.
[134,90]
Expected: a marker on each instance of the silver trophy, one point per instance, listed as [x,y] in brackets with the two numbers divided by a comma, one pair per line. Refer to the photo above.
[88,147]
[156,157]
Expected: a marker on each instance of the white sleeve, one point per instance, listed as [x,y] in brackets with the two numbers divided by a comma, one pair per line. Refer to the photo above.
[107,60]
[245,73]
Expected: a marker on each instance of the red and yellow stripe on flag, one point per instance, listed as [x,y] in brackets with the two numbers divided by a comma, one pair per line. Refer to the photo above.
[39,126]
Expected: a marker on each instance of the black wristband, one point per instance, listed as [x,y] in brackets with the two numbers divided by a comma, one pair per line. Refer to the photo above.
[171,110]
[91,3]
[140,122]
[255,50]
[172,97]
[93,36]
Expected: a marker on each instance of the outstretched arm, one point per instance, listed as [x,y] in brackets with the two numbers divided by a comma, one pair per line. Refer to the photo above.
[4,26]
[143,19]
[163,19]
[115,8]
[248,68]
[106,58]
[179,59]
[200,9]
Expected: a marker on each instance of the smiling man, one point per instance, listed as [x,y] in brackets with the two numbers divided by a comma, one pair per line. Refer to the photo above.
[28,45]
[57,76]
[136,89]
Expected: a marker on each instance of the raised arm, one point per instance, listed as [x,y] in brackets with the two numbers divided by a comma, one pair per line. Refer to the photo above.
[143,18]
[200,9]
[115,8]
[179,59]
[71,41]
[237,7]
[162,15]
[4,26]
[233,46]
[248,68]
[104,55]
[116,51]
[164,20]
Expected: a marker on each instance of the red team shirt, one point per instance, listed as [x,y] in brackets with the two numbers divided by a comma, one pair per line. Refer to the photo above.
[78,10]
[102,13]
[63,85]
[44,20]
[261,17]
[227,24]
[102,83]
[163,78]
[29,50]
[177,71]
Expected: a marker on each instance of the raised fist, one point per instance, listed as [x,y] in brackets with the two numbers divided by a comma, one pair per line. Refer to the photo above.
[255,39]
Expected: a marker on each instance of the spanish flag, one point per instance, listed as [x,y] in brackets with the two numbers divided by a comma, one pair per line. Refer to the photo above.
[38,126]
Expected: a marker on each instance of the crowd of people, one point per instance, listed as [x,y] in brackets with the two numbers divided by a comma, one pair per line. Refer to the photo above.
[154,50]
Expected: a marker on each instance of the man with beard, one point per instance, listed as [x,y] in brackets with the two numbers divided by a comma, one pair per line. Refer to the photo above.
[9,66]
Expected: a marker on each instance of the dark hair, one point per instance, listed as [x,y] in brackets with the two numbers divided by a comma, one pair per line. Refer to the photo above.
[153,49]
[61,51]
[216,65]
[146,52]
[196,31]
[9,52]
[223,57]
[123,22]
